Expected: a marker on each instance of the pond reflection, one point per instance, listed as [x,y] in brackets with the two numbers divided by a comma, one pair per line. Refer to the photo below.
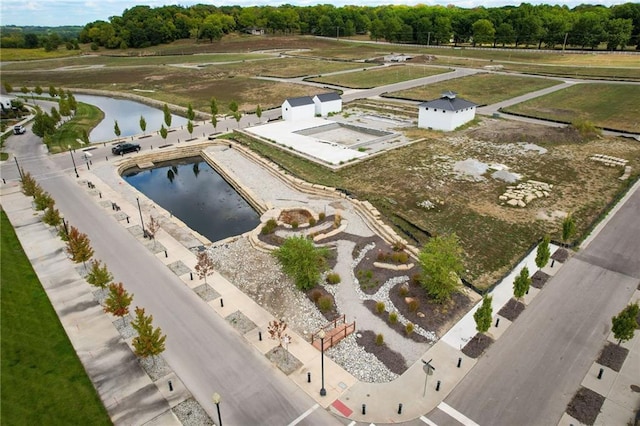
[193,192]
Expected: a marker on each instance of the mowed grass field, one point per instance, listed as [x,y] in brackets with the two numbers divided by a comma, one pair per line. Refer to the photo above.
[43,381]
[379,77]
[615,106]
[483,89]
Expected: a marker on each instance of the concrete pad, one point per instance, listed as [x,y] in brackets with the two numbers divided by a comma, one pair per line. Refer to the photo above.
[603,385]
[175,394]
[567,420]
[612,413]
[495,332]
[168,418]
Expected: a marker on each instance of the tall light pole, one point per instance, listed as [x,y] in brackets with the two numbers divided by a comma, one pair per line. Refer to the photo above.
[73,161]
[144,233]
[321,335]
[216,400]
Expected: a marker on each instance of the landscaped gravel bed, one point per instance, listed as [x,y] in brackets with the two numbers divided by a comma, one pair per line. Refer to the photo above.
[190,413]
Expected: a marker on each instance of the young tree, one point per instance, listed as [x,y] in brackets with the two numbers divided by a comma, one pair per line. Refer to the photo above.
[190,128]
[258,112]
[544,253]
[143,124]
[204,267]
[302,261]
[484,315]
[79,246]
[167,115]
[98,276]
[41,198]
[7,87]
[24,90]
[441,262]
[568,228]
[52,91]
[625,323]
[163,132]
[55,115]
[152,229]
[29,184]
[214,113]
[233,106]
[521,283]
[191,115]
[52,216]
[116,129]
[118,301]
[38,90]
[276,330]
[149,342]
[237,115]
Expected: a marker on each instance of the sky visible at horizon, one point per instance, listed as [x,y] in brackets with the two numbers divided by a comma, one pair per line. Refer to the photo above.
[53,13]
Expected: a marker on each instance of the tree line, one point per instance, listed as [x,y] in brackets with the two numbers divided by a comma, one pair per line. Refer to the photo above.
[585,26]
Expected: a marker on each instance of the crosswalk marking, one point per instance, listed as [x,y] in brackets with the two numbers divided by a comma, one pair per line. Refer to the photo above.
[456,414]
[303,415]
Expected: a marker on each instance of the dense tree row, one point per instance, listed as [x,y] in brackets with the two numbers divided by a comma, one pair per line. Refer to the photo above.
[13,37]
[526,25]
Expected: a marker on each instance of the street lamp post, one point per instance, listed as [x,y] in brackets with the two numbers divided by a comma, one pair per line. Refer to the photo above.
[428,371]
[321,335]
[74,162]
[144,233]
[216,400]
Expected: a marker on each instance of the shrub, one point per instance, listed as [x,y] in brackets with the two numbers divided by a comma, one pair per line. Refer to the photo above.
[379,307]
[269,227]
[325,303]
[321,216]
[316,295]
[312,221]
[399,246]
[414,304]
[393,317]
[409,328]
[294,224]
[337,220]
[400,257]
[403,290]
[381,257]
[379,339]
[333,278]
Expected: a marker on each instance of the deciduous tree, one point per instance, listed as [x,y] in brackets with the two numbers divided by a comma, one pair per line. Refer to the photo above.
[214,112]
[191,115]
[276,330]
[258,112]
[143,124]
[544,253]
[118,301]
[152,228]
[625,323]
[441,262]
[204,267]
[79,246]
[483,315]
[163,132]
[568,228]
[190,128]
[116,129]
[302,261]
[150,341]
[52,216]
[98,276]
[167,115]
[522,283]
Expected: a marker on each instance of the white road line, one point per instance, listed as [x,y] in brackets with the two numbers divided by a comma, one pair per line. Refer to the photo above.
[427,421]
[456,414]
[303,415]
[352,423]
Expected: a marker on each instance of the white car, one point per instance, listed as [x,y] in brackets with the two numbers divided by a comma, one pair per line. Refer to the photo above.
[18,130]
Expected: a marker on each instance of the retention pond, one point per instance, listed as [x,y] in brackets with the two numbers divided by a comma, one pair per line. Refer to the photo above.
[193,192]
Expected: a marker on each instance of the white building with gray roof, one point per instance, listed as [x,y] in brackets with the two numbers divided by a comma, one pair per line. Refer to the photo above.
[295,109]
[327,103]
[446,113]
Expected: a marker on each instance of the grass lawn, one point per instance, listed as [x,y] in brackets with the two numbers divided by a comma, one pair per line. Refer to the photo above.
[483,89]
[31,54]
[379,77]
[43,381]
[297,67]
[86,118]
[613,106]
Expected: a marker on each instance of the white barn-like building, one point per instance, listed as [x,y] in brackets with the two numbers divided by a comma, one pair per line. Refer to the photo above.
[327,103]
[446,113]
[302,108]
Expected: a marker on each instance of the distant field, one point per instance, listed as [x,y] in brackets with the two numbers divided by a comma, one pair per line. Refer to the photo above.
[379,77]
[296,67]
[483,89]
[43,381]
[614,106]
[34,54]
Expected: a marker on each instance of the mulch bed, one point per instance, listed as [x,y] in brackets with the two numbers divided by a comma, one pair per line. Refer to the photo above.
[371,278]
[394,361]
[512,309]
[539,279]
[560,255]
[330,314]
[398,327]
[437,316]
[477,345]
[585,406]
[613,356]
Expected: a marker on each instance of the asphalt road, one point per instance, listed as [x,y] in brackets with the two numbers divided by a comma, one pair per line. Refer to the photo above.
[530,374]
[203,350]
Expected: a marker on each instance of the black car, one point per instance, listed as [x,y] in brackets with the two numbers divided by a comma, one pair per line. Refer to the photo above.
[123,148]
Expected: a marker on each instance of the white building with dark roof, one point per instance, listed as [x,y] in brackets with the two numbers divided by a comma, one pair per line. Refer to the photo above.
[302,108]
[327,103]
[446,113]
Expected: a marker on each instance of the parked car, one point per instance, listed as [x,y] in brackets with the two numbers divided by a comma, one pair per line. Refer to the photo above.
[18,130]
[123,148]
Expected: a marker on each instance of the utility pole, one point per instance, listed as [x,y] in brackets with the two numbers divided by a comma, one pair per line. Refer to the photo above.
[428,38]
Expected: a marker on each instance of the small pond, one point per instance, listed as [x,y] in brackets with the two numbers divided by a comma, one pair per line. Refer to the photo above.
[193,192]
[128,114]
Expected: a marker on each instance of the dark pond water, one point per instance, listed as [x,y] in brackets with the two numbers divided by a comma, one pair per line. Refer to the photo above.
[193,192]
[127,113]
